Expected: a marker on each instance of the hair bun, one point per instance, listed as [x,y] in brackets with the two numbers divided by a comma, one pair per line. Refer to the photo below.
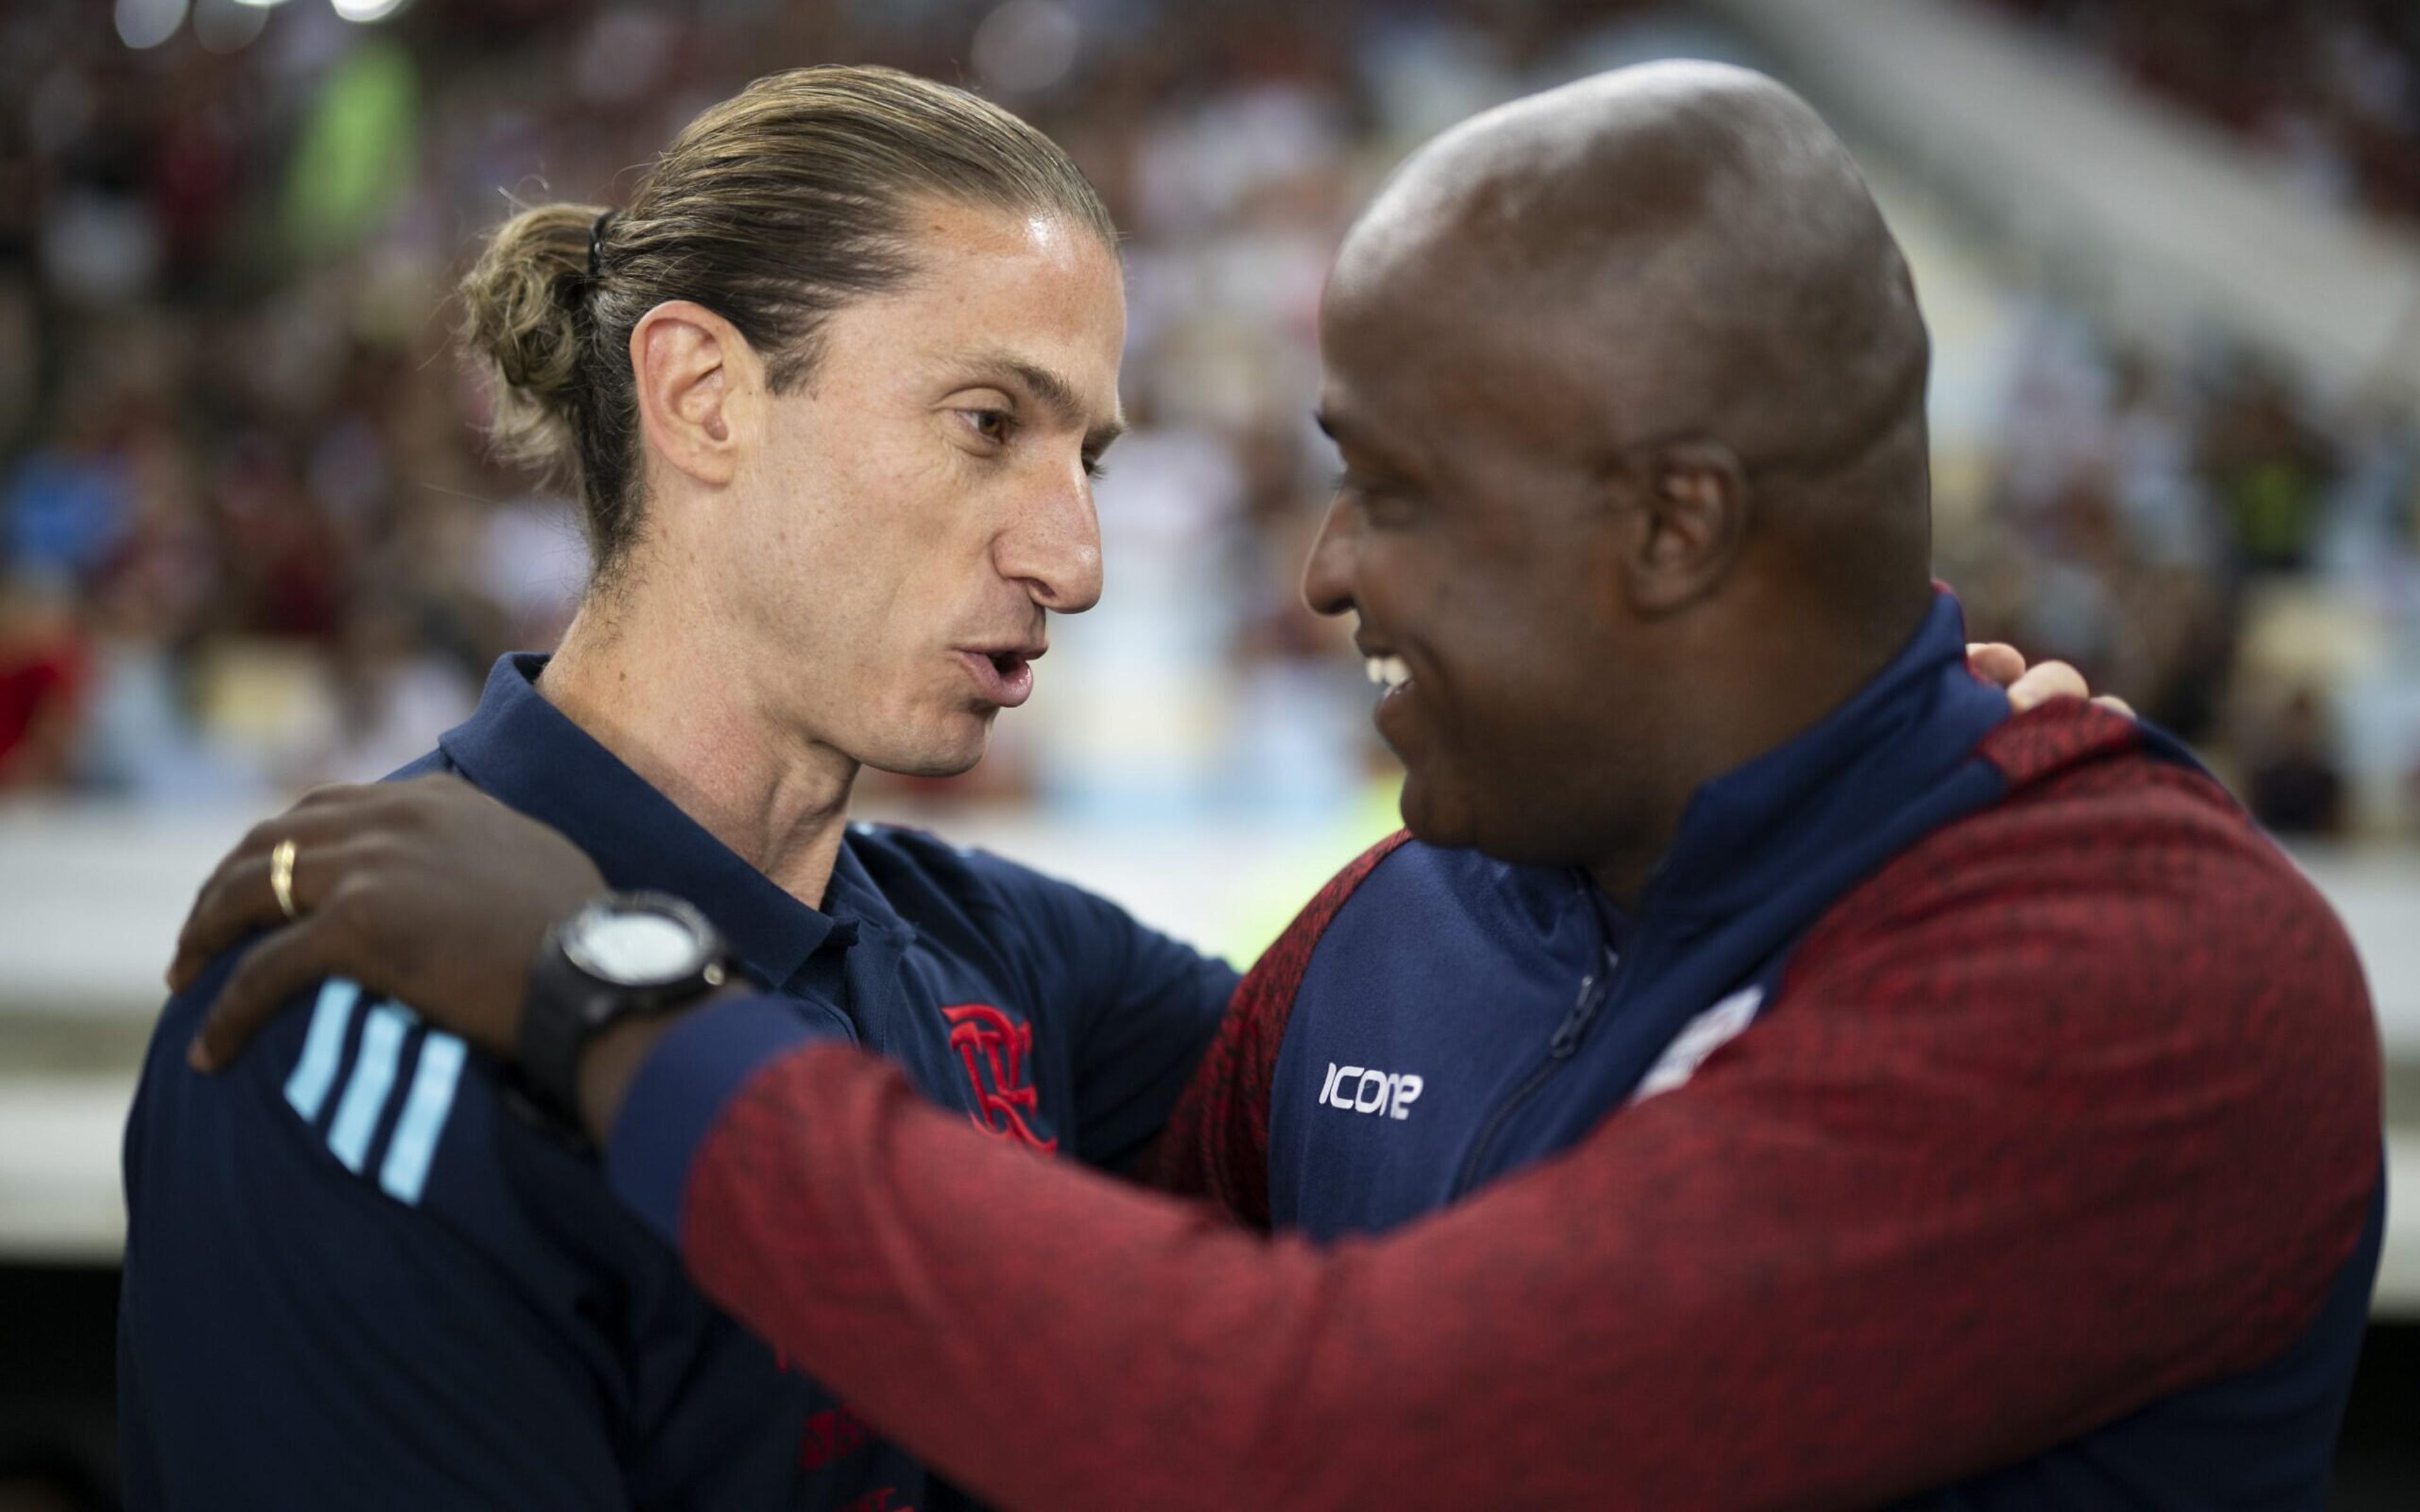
[522,316]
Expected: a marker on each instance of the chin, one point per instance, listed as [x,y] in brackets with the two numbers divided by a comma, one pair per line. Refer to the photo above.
[1453,819]
[932,763]
[951,751]
[1433,817]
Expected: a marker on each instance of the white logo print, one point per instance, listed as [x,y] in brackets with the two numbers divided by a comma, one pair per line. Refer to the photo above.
[1359,1089]
[1699,1037]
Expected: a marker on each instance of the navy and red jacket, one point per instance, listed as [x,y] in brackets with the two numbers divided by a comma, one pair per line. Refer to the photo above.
[1978,1112]
[357,1277]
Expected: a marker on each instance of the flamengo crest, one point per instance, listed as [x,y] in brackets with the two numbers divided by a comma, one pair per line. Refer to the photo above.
[996,1049]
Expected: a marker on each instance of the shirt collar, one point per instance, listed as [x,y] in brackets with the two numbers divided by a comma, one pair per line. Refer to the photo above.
[519,748]
[1828,790]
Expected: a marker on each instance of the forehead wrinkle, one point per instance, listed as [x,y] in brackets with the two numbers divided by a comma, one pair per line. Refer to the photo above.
[1483,393]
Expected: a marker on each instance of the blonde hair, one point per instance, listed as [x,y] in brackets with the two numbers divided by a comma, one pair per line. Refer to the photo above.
[773,210]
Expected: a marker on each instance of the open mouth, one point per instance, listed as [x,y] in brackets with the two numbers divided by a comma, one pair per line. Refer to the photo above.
[1002,677]
[1389,672]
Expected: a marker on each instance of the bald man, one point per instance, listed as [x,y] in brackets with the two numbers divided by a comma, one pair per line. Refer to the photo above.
[1768,1075]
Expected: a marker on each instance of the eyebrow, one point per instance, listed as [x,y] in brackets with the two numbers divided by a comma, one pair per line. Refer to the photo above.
[1052,392]
[1368,462]
[1345,434]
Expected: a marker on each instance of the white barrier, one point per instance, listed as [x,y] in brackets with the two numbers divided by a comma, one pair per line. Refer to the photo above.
[90,898]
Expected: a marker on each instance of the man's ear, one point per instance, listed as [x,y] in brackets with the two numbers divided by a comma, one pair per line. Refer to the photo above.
[700,386]
[1688,523]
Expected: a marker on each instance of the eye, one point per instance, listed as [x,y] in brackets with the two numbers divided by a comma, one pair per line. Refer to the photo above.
[1093,470]
[1381,504]
[994,426]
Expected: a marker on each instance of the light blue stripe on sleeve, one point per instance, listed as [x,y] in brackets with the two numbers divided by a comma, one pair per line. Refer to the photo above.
[364,1099]
[425,1108]
[307,1087]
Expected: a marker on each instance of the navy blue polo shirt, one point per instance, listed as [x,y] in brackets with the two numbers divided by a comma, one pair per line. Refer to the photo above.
[358,1275]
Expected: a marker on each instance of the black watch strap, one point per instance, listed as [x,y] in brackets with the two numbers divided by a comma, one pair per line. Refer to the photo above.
[566,1007]
[554,1031]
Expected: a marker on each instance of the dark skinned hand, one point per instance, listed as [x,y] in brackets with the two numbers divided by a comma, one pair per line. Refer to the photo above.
[436,895]
[427,891]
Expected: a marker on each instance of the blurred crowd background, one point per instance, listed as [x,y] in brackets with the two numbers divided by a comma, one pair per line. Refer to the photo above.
[249,538]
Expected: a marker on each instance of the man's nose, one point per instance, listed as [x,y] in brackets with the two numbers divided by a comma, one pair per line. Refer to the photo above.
[1054,547]
[1327,576]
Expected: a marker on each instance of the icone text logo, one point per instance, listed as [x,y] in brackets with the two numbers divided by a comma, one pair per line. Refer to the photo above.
[1359,1089]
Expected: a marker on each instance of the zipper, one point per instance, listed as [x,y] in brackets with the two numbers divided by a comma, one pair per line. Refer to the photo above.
[1575,1023]
[1566,1040]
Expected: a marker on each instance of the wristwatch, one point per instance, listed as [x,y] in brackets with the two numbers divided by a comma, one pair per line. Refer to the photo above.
[627,953]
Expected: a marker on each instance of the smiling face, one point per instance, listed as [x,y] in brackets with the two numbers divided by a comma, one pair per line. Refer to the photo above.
[891,554]
[1628,378]
[1477,547]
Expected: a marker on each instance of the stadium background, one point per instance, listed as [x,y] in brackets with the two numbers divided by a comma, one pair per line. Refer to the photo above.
[248,541]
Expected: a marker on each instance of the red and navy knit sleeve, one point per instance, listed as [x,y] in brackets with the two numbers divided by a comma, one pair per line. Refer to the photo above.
[1216,1145]
[2078,1053]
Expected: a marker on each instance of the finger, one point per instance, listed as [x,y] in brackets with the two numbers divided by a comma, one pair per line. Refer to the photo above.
[282,965]
[338,795]
[1995,661]
[197,938]
[2044,682]
[237,898]
[2116,705]
[330,809]
[436,788]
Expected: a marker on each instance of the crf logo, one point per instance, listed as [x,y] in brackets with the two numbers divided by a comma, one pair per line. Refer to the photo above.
[831,1434]
[1359,1089]
[995,1048]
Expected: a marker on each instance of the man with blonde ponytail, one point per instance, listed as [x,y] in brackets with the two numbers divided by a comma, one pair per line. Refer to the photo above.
[830,388]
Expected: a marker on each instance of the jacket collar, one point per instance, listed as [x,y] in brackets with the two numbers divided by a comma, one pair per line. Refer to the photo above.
[1834,788]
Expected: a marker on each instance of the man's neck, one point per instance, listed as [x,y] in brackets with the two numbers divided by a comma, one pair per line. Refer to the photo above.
[633,683]
[1741,699]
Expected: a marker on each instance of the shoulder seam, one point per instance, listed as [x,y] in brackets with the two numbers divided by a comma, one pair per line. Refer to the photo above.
[1292,951]
[2062,733]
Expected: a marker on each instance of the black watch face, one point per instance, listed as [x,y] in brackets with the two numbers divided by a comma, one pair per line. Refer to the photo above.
[634,947]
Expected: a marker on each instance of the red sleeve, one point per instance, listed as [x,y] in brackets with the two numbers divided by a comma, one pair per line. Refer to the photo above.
[1216,1143]
[2042,1069]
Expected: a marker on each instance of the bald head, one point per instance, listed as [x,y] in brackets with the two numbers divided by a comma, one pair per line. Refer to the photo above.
[1628,381]
[1687,246]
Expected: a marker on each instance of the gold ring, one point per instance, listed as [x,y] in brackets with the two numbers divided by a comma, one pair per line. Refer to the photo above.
[281,879]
